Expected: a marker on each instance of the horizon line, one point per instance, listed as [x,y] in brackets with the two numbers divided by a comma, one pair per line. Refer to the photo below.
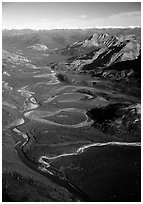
[97,27]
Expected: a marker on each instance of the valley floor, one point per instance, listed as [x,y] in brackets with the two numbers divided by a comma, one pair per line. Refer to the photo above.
[68,137]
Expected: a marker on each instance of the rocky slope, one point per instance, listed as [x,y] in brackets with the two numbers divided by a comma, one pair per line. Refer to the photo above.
[21,39]
[105,55]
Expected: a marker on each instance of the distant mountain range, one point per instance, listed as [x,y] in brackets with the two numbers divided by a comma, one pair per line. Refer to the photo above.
[112,54]
[21,39]
[104,55]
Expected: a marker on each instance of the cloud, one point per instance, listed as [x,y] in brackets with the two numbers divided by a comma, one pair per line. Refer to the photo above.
[122,19]
[125,19]
[82,16]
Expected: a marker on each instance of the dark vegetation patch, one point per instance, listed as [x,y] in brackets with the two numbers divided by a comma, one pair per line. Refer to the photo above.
[107,174]
[119,119]
[16,188]
[110,112]
[132,87]
[127,65]
[86,91]
[63,78]
[122,82]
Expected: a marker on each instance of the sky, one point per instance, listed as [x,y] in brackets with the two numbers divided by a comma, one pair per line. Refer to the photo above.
[59,15]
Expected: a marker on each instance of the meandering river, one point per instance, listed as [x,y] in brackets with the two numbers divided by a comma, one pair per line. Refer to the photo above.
[32,112]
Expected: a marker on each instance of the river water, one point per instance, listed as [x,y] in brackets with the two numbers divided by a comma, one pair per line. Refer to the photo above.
[56,104]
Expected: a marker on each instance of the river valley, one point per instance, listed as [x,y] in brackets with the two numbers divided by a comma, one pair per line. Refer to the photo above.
[67,136]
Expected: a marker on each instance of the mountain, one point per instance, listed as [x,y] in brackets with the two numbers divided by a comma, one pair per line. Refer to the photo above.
[97,41]
[105,55]
[21,39]
[111,54]
[75,130]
